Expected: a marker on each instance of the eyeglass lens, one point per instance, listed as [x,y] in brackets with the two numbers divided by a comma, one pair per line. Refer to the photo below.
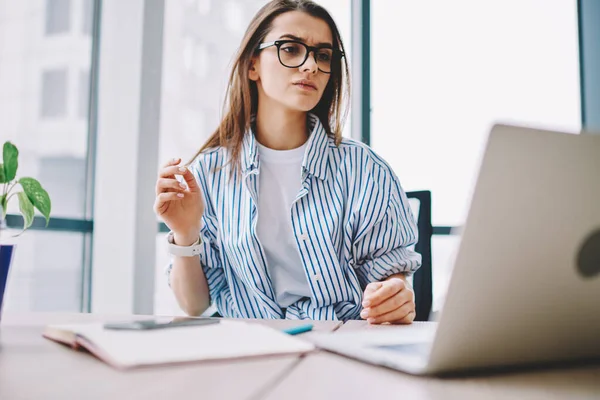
[293,55]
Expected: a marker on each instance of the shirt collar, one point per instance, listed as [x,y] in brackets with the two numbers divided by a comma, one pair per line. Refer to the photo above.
[249,152]
[317,152]
[316,156]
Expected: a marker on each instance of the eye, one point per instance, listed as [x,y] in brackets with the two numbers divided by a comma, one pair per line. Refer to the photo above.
[291,48]
[324,56]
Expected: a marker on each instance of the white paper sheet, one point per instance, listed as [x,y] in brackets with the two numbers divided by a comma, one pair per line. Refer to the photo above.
[227,339]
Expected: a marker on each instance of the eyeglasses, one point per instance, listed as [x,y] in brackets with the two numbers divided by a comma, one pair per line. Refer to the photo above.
[293,54]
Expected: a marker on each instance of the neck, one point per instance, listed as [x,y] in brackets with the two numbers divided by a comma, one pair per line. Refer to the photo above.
[282,129]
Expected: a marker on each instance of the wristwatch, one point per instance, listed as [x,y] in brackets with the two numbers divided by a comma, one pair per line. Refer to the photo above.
[183,251]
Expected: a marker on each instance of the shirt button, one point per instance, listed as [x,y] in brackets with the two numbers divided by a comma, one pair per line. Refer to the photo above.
[304,237]
[317,277]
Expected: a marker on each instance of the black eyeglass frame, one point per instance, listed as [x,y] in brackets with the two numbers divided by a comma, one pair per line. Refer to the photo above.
[335,53]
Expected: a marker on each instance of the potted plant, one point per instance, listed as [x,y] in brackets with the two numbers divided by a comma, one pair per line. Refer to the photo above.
[31,196]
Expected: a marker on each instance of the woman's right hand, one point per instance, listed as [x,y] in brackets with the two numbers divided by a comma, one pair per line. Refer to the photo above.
[180,207]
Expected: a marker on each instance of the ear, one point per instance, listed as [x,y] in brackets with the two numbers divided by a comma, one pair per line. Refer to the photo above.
[253,69]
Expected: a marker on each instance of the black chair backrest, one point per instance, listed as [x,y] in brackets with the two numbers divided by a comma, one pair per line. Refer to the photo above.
[422,279]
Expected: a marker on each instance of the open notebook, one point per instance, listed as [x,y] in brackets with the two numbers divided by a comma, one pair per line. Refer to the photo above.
[129,349]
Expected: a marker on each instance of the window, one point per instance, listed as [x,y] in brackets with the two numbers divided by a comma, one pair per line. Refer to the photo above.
[46,273]
[196,58]
[234,16]
[54,93]
[341,11]
[88,17]
[203,6]
[48,268]
[444,72]
[58,16]
[84,94]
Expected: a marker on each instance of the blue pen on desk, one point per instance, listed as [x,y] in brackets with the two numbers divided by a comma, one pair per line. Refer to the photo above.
[298,329]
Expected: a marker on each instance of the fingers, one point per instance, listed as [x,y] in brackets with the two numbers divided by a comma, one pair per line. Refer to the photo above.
[382,291]
[164,198]
[409,319]
[172,161]
[170,171]
[169,185]
[403,315]
[371,288]
[172,168]
[169,196]
[393,303]
[189,178]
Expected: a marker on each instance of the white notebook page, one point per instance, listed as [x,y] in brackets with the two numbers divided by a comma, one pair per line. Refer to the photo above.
[227,339]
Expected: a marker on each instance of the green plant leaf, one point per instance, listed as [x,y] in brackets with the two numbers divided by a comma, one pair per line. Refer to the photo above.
[2,176]
[26,209]
[38,196]
[3,204]
[10,155]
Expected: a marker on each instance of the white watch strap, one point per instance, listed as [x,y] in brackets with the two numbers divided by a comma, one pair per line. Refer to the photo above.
[183,251]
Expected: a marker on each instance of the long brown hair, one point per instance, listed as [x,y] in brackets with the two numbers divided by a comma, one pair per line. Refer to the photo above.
[241,101]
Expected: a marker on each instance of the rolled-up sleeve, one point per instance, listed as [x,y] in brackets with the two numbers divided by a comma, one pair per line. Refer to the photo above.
[386,247]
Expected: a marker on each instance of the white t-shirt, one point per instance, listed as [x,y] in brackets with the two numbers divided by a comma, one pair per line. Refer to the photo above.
[279,183]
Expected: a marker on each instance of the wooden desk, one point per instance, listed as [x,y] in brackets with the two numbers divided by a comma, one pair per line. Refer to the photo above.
[328,376]
[32,367]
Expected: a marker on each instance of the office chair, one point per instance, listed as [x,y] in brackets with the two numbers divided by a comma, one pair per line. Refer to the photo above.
[422,279]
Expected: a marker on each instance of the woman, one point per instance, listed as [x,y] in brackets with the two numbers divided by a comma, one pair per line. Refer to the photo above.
[279,216]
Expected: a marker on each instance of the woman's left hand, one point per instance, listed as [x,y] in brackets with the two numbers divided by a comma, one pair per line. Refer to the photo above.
[392,300]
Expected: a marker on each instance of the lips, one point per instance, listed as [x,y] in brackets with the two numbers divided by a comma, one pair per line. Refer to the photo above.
[306,84]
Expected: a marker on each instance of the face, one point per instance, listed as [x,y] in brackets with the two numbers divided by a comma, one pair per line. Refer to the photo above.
[299,88]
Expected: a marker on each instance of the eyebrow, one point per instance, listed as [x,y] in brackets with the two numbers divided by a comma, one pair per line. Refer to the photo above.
[299,39]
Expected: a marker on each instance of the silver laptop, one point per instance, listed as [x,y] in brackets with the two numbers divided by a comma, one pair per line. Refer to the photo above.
[525,287]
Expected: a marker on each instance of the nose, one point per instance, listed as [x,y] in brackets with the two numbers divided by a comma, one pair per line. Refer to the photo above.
[310,64]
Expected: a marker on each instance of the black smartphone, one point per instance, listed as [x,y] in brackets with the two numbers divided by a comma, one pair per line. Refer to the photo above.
[150,324]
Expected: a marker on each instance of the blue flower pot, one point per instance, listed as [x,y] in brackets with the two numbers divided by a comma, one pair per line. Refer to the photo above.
[6,255]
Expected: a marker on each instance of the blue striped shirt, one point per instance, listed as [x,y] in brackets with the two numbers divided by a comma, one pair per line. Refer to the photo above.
[351,221]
